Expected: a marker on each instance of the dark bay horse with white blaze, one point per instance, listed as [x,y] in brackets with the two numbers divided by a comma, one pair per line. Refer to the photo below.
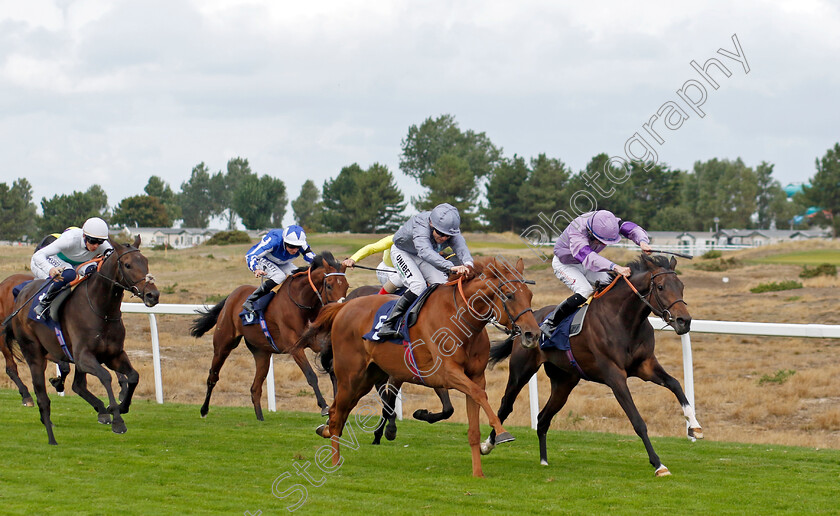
[616,342]
[446,344]
[93,330]
[298,300]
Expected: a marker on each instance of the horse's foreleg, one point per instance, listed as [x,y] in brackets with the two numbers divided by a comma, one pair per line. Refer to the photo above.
[221,351]
[474,388]
[522,367]
[347,396]
[128,377]
[311,379]
[63,371]
[618,383]
[87,363]
[12,371]
[474,436]
[388,396]
[262,359]
[562,384]
[79,386]
[652,371]
[37,366]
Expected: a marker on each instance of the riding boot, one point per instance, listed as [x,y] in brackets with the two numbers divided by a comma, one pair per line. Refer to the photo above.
[390,328]
[262,290]
[562,311]
[44,304]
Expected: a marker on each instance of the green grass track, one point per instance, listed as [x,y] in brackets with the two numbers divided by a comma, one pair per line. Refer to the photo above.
[173,462]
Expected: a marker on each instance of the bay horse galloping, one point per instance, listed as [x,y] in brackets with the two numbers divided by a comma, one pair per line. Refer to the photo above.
[7,305]
[93,332]
[447,345]
[298,300]
[616,342]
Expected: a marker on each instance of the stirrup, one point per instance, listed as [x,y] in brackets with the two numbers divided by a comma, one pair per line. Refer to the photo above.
[40,309]
[547,329]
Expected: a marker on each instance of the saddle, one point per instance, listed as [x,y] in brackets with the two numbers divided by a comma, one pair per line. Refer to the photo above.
[567,328]
[406,322]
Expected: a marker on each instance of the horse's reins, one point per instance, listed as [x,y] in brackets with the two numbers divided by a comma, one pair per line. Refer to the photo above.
[515,330]
[312,285]
[132,285]
[664,313]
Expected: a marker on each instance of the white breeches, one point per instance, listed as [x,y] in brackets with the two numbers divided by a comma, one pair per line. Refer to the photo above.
[275,272]
[577,277]
[385,273]
[415,273]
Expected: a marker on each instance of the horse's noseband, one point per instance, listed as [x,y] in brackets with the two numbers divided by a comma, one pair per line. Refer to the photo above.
[664,313]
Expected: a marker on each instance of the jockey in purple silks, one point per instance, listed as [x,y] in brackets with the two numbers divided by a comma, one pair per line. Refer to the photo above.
[577,262]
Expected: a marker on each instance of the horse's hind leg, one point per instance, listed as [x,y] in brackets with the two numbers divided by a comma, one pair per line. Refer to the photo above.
[87,363]
[617,381]
[446,409]
[221,351]
[652,371]
[562,384]
[79,386]
[12,371]
[311,379]
[63,371]
[388,393]
[128,378]
[262,360]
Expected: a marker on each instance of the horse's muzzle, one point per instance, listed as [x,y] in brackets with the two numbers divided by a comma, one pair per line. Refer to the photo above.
[681,325]
[151,298]
[529,340]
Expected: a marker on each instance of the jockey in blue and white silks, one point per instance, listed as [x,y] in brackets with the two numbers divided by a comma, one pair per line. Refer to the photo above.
[58,259]
[576,260]
[273,258]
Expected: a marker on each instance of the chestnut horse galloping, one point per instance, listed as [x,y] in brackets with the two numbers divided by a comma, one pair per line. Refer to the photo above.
[93,331]
[616,342]
[449,345]
[298,300]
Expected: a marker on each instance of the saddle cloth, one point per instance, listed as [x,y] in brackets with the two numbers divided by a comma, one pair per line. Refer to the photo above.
[568,327]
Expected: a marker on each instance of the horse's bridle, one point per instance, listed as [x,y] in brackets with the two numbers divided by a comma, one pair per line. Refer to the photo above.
[125,284]
[664,313]
[314,289]
[514,329]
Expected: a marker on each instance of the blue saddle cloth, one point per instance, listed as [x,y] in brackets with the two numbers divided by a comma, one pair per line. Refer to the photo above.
[52,324]
[260,305]
[379,318]
[560,338]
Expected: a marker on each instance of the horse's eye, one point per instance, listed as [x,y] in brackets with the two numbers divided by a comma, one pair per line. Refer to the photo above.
[509,296]
[127,265]
[660,287]
[329,287]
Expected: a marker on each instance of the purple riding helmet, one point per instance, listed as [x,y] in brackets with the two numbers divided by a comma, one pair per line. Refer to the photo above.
[604,225]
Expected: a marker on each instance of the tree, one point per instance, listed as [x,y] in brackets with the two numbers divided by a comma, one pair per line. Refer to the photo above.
[452,182]
[259,202]
[63,211]
[426,148]
[224,188]
[824,191]
[505,209]
[724,189]
[196,200]
[545,191]
[307,207]
[362,201]
[18,218]
[157,187]
[141,210]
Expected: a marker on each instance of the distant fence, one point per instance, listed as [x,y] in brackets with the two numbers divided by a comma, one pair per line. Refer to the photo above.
[697,326]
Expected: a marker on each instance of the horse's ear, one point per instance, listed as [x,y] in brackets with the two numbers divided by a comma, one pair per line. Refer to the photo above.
[673,263]
[137,241]
[520,266]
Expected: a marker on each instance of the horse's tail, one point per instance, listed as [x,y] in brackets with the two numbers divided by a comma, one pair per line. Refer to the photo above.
[501,351]
[12,343]
[206,319]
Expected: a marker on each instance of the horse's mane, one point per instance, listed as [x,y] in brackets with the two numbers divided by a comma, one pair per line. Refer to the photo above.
[319,261]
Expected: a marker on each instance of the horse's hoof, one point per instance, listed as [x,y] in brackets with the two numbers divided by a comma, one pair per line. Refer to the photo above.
[421,414]
[486,447]
[376,440]
[104,419]
[58,384]
[696,433]
[504,437]
[543,462]
[325,411]
[390,434]
[260,417]
[662,471]
[320,430]
[119,427]
[28,402]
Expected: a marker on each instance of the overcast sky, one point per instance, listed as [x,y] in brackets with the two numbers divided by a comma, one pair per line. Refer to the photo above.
[111,92]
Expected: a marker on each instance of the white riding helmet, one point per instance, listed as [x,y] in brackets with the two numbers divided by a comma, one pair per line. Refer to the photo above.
[294,235]
[95,227]
[446,219]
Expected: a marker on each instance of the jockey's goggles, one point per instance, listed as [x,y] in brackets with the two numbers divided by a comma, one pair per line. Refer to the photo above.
[94,241]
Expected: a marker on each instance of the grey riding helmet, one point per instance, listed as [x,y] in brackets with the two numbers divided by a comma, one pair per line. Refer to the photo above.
[446,219]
